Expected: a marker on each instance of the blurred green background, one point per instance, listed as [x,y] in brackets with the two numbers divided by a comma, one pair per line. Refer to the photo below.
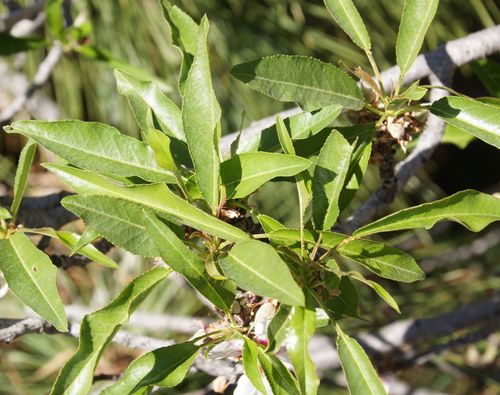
[135,32]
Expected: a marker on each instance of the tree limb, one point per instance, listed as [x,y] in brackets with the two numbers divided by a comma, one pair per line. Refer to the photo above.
[41,76]
[9,20]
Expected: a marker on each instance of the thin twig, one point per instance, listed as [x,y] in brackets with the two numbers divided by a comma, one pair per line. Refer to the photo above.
[427,144]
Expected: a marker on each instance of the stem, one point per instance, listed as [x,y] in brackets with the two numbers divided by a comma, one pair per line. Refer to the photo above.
[445,88]
[375,69]
[374,110]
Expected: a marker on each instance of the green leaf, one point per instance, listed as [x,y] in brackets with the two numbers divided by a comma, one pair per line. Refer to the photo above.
[347,16]
[167,114]
[157,197]
[251,365]
[339,296]
[279,377]
[302,327]
[416,19]
[201,115]
[183,29]
[257,267]
[329,179]
[479,119]
[160,144]
[180,258]
[472,209]
[309,82]
[11,45]
[277,329]
[362,379]
[165,367]
[301,126]
[244,173]
[72,240]
[22,173]
[4,213]
[97,331]
[95,146]
[357,168]
[184,35]
[117,220]
[31,276]
[414,92]
[269,224]
[381,259]
[87,237]
[381,291]
[54,17]
[284,137]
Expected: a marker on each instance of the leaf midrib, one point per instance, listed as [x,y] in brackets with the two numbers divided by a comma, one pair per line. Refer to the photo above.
[305,87]
[188,262]
[351,20]
[262,174]
[109,158]
[355,361]
[19,256]
[265,279]
[420,37]
[436,217]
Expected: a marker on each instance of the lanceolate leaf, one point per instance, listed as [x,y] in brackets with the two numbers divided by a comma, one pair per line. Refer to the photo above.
[54,17]
[11,45]
[31,276]
[98,329]
[279,377]
[252,366]
[277,329]
[165,367]
[347,16]
[244,173]
[95,146]
[257,267]
[72,240]
[183,28]
[167,113]
[4,213]
[180,258]
[416,19]
[479,119]
[360,374]
[357,168]
[157,197]
[201,115]
[117,220]
[301,126]
[302,328]
[383,260]
[328,180]
[284,137]
[472,209]
[22,173]
[310,83]
[381,291]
